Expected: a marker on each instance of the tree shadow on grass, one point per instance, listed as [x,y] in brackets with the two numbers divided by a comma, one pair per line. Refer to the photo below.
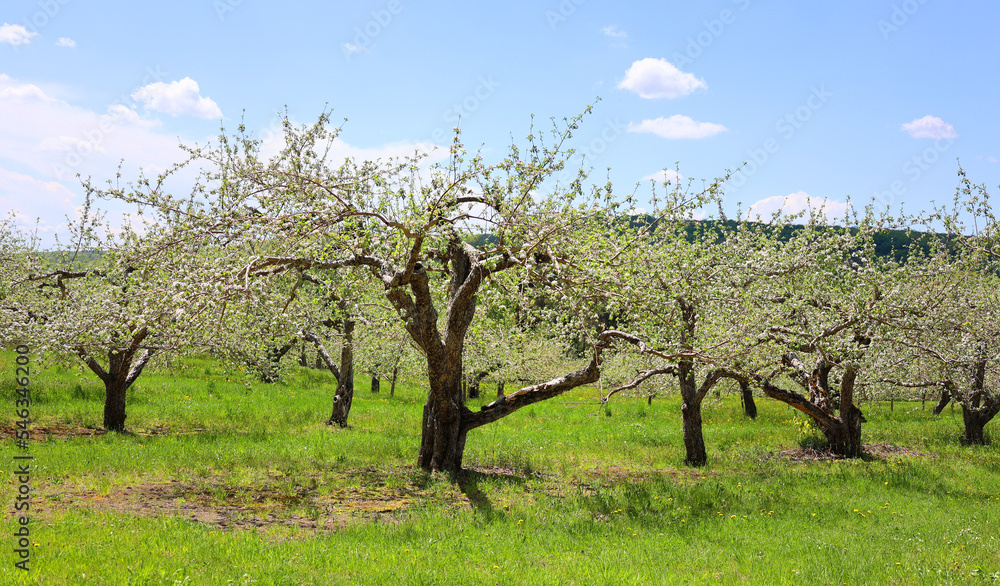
[469,480]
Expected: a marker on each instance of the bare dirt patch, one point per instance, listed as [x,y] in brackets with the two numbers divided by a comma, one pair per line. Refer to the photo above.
[216,501]
[64,431]
[52,431]
[871,452]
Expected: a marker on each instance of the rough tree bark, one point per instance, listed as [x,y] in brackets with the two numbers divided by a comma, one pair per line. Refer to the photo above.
[376,382]
[692,394]
[978,406]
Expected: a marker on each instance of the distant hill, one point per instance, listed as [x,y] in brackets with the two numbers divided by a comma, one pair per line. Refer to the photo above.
[895,244]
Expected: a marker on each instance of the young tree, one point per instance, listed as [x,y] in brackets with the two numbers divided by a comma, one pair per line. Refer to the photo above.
[383,347]
[335,315]
[108,308]
[954,326]
[682,291]
[948,337]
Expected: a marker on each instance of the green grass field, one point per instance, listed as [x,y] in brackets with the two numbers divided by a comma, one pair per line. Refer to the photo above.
[225,483]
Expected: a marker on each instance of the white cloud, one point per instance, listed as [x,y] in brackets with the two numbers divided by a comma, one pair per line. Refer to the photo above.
[16,34]
[795,203]
[23,93]
[122,114]
[658,78]
[177,97]
[992,160]
[677,126]
[613,31]
[665,176]
[65,42]
[929,127]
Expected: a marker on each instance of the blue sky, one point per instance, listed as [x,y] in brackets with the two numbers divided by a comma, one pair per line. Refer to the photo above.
[825,100]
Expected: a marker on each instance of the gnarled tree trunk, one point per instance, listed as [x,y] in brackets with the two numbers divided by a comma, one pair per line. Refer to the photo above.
[843,432]
[978,406]
[975,424]
[123,368]
[442,442]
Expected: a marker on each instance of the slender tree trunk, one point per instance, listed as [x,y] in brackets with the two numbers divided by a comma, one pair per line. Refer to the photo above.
[474,388]
[344,396]
[344,374]
[392,381]
[376,383]
[694,440]
[500,388]
[749,406]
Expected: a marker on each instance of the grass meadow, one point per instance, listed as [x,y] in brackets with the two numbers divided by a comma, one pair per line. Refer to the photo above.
[223,482]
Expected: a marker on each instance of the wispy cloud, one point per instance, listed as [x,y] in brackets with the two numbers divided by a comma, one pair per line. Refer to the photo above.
[65,42]
[658,78]
[677,126]
[929,127]
[612,30]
